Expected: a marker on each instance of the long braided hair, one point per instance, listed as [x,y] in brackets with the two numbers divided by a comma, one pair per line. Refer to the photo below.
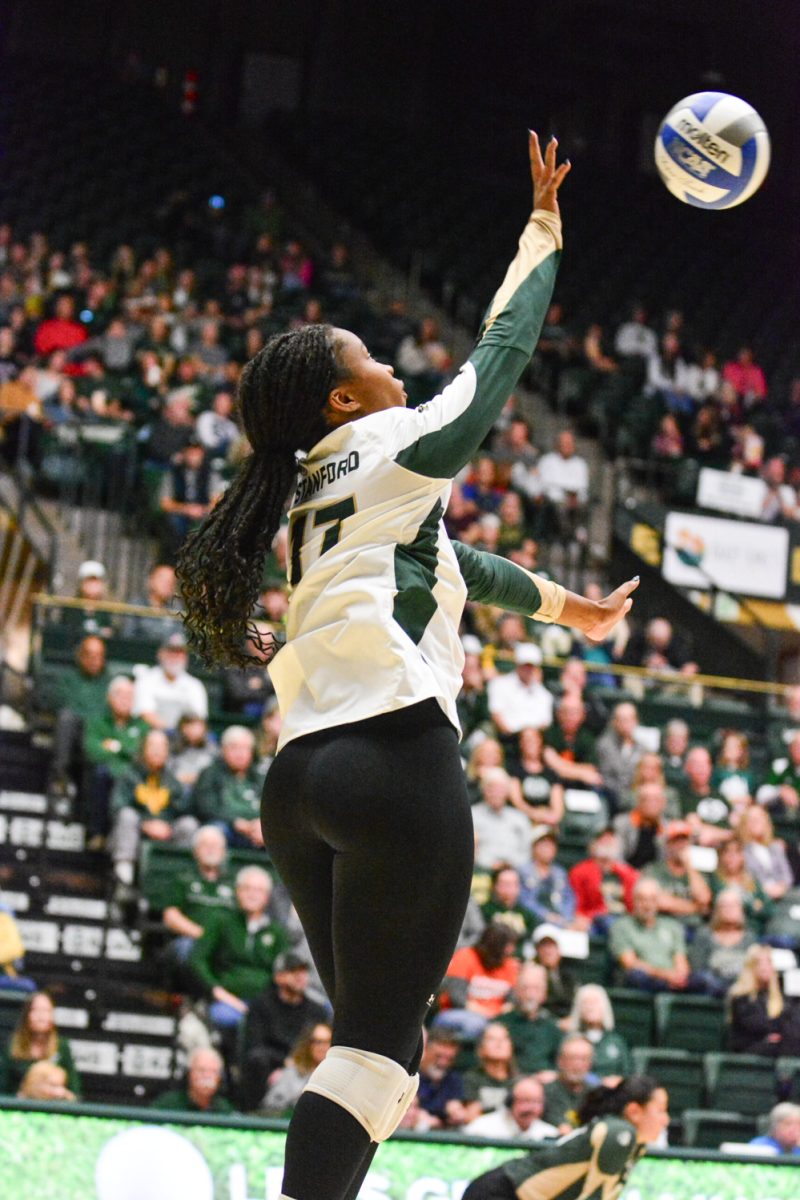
[281,397]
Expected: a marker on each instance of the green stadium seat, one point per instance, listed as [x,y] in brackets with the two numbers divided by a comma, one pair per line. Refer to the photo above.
[787,1070]
[709,1128]
[633,1015]
[750,1079]
[689,1022]
[680,1072]
[596,967]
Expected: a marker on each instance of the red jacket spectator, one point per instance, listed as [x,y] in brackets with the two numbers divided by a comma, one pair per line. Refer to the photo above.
[601,878]
[61,331]
[745,376]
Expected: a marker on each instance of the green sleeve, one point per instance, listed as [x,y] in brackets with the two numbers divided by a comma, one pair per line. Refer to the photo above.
[122,795]
[68,1063]
[498,581]
[202,796]
[451,428]
[202,953]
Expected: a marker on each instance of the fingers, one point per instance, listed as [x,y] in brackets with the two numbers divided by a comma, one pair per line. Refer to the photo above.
[546,174]
[625,589]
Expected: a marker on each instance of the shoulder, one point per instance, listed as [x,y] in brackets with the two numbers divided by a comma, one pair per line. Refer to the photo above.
[614,1139]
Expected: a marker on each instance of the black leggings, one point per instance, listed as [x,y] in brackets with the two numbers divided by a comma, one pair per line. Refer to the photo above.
[370,829]
[493,1185]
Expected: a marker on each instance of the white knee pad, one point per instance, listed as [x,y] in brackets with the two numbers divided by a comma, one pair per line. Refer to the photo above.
[372,1088]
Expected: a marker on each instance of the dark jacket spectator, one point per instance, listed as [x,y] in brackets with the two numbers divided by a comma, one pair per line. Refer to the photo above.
[762,1019]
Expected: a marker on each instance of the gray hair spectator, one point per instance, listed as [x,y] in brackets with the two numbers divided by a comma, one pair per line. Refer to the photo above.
[564,1094]
[228,792]
[195,891]
[783,1132]
[202,1090]
[618,751]
[502,833]
[519,1118]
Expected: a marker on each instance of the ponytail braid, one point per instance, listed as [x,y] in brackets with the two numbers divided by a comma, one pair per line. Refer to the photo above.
[281,397]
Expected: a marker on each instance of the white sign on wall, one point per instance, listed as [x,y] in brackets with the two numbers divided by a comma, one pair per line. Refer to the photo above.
[741,495]
[735,556]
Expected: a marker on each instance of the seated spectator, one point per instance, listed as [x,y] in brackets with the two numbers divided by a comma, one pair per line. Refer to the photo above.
[650,769]
[764,854]
[12,955]
[660,648]
[781,795]
[486,753]
[603,884]
[709,441]
[783,1132]
[732,873]
[147,801]
[593,1017]
[36,1039]
[561,982]
[649,949]
[533,1031]
[192,749]
[502,833]
[634,338]
[45,1081]
[540,797]
[112,741]
[564,1095]
[201,1092]
[574,681]
[188,492]
[746,376]
[667,443]
[718,950]
[202,887]
[520,700]
[165,692]
[423,361]
[553,352]
[595,352]
[519,1118]
[708,813]
[93,590]
[307,1053]
[668,375]
[228,792]
[504,908]
[732,775]
[683,892]
[516,442]
[675,747]
[441,1087]
[60,331]
[641,830]
[247,689]
[275,1020]
[478,982]
[564,478]
[618,751]
[159,595]
[472,702]
[486,1086]
[545,889]
[172,430]
[780,500]
[785,722]
[761,1019]
[234,956]
[570,744]
[216,431]
[81,694]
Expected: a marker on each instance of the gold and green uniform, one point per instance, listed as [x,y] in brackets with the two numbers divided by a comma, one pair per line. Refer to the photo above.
[590,1164]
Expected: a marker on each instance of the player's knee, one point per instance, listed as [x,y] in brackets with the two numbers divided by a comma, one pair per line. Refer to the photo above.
[374,1089]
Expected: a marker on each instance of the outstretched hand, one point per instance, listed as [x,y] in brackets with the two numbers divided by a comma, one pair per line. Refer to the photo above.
[547,177]
[610,611]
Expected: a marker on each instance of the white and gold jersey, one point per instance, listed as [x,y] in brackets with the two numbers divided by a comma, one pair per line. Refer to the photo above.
[377,589]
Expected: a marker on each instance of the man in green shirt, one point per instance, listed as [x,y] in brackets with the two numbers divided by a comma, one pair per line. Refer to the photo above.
[650,950]
[533,1031]
[196,893]
[111,743]
[564,1095]
[569,750]
[708,813]
[233,958]
[200,1093]
[79,695]
[228,791]
[503,906]
[684,892]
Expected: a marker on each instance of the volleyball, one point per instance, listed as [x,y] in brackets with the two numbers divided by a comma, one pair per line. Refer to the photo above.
[712,150]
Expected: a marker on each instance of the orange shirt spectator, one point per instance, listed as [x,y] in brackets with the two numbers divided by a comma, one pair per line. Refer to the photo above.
[480,977]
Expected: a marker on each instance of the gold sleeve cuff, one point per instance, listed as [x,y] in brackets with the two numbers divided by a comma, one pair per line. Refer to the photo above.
[554,597]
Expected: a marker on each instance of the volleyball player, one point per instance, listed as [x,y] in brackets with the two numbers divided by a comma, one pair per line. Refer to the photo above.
[365,812]
[593,1162]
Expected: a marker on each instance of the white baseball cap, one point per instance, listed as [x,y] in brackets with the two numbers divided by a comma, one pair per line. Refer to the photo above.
[91,570]
[527,652]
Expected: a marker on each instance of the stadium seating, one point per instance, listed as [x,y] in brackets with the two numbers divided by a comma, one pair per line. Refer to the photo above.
[746,1078]
[680,1072]
[688,1022]
[708,1128]
[634,1016]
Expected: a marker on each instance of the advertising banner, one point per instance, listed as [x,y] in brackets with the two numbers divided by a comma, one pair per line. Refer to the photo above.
[54,1156]
[739,495]
[736,556]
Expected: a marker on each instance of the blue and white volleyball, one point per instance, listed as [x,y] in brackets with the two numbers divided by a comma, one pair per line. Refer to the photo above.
[712,150]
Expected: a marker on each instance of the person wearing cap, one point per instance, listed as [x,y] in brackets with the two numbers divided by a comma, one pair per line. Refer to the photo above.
[502,833]
[684,892]
[165,692]
[79,695]
[275,1020]
[92,589]
[92,581]
[648,948]
[520,699]
[535,1035]
[561,982]
[228,792]
[603,884]
[545,889]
